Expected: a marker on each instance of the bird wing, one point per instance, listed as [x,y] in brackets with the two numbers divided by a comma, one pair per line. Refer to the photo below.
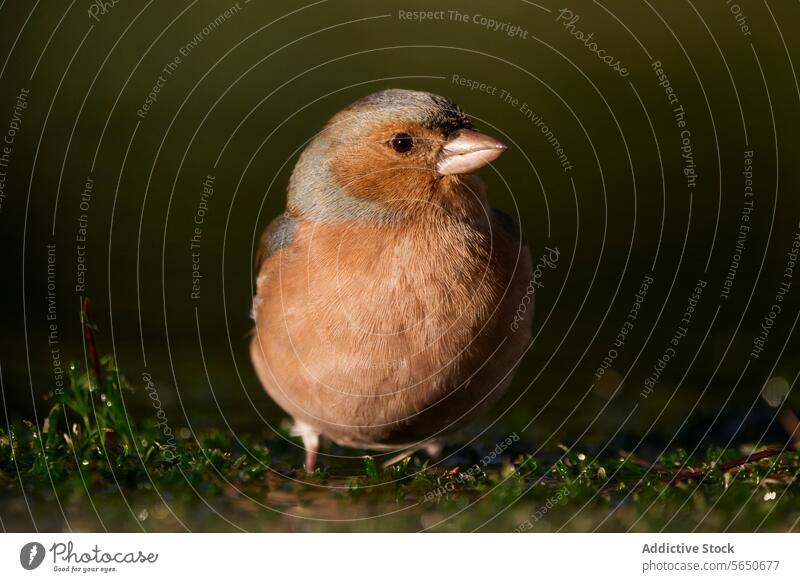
[275,237]
[508,225]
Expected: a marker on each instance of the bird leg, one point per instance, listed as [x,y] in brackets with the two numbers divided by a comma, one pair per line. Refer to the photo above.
[434,450]
[312,448]
[310,443]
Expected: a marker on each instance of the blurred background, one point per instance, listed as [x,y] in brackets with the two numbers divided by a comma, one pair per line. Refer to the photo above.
[634,130]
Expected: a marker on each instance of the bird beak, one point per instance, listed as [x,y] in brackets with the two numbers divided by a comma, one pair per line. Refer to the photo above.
[468,151]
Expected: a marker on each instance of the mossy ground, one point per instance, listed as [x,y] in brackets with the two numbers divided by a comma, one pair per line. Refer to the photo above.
[88,467]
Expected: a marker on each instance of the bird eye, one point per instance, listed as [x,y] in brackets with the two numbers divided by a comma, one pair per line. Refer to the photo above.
[401,143]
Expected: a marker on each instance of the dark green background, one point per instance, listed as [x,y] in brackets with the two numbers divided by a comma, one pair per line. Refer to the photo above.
[282,75]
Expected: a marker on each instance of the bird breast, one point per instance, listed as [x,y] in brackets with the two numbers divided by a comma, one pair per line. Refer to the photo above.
[378,337]
[371,309]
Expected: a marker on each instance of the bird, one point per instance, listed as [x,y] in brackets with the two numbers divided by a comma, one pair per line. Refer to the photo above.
[390,298]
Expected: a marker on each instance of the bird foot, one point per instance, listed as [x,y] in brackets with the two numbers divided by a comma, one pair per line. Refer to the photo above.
[433,448]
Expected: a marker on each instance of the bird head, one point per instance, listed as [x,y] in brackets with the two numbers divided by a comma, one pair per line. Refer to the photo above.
[387,152]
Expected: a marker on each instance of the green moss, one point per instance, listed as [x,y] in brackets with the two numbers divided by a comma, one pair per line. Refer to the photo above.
[91,461]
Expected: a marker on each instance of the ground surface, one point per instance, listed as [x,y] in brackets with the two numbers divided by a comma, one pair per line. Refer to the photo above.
[87,468]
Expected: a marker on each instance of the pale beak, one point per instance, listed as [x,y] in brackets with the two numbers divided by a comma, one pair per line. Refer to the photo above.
[468,151]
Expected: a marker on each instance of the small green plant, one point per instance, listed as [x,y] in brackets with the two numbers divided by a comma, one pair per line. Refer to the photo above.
[371,469]
[97,404]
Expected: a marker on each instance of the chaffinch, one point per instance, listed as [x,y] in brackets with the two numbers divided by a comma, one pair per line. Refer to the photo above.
[386,292]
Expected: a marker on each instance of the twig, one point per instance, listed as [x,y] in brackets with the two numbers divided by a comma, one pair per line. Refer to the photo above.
[88,333]
[685,475]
